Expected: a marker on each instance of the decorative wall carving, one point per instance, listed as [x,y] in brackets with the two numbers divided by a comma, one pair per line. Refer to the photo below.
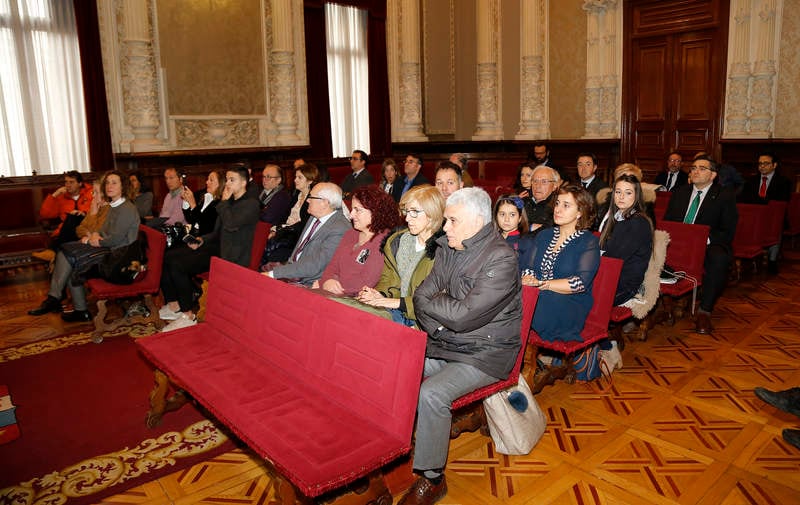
[283,96]
[603,68]
[534,122]
[407,106]
[751,94]
[194,133]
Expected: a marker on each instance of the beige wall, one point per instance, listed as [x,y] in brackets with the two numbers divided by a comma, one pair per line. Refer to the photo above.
[212,56]
[567,84]
[787,120]
[438,53]
[466,70]
[510,67]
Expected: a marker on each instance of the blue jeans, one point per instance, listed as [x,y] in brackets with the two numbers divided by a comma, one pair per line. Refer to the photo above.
[446,381]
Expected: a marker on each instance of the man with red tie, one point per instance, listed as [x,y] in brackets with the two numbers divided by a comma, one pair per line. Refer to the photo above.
[763,187]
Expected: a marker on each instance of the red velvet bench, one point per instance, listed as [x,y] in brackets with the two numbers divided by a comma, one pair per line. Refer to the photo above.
[325,393]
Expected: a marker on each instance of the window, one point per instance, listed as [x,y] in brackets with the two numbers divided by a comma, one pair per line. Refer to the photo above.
[348,78]
[42,115]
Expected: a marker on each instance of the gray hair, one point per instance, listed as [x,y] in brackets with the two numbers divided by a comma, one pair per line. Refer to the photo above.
[475,200]
[554,176]
[330,192]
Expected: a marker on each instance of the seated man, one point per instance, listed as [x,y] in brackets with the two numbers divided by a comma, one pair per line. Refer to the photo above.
[460,159]
[539,206]
[275,201]
[69,204]
[359,176]
[673,177]
[172,208]
[471,307]
[320,238]
[414,177]
[704,202]
[448,178]
[587,170]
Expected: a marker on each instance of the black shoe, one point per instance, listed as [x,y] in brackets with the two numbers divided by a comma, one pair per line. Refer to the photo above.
[787,401]
[76,316]
[49,305]
[792,436]
[772,267]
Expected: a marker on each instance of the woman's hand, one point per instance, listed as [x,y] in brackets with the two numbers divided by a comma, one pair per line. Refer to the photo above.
[524,194]
[188,197]
[333,286]
[530,280]
[94,239]
[376,299]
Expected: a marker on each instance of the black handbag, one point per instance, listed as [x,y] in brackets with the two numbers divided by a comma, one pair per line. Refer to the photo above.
[174,233]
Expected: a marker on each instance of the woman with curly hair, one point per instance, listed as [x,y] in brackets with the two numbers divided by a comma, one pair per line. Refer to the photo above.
[357,261]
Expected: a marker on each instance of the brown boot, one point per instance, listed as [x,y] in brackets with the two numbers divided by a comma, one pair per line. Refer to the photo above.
[424,492]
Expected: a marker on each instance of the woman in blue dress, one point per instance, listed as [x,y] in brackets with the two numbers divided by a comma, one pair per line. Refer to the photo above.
[562,262]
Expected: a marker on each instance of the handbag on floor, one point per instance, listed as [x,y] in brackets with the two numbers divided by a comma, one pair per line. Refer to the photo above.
[514,432]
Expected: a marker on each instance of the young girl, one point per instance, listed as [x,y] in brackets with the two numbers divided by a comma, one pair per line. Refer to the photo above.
[510,219]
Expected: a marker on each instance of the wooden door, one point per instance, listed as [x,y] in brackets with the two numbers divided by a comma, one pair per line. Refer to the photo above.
[674,80]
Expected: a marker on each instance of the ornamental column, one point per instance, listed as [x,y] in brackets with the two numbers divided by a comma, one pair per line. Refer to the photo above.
[409,125]
[534,118]
[490,121]
[738,69]
[603,70]
[139,76]
[282,75]
[763,96]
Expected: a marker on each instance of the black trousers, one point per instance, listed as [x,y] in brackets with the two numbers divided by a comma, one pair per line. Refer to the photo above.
[717,264]
[181,264]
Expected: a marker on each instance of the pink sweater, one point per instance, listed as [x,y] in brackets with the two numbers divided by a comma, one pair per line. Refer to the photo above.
[345,268]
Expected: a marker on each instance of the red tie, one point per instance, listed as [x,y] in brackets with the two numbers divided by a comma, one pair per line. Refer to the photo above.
[305,240]
[762,191]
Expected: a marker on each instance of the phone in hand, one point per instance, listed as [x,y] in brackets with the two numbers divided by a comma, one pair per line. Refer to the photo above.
[191,239]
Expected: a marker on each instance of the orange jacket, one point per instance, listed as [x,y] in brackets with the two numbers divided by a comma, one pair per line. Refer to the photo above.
[59,207]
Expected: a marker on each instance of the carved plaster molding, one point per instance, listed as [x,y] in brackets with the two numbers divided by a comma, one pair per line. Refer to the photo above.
[192,132]
[427,71]
[407,113]
[603,68]
[534,120]
[490,122]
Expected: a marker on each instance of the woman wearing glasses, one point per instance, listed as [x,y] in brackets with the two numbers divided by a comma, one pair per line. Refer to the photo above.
[357,261]
[408,254]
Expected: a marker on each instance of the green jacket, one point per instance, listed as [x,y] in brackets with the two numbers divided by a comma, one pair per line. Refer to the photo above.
[389,284]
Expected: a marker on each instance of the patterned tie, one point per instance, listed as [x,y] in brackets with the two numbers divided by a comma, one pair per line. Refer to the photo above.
[303,244]
[693,209]
[669,180]
[762,191]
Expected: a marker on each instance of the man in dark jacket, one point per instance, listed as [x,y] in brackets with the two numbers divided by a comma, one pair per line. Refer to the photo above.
[471,307]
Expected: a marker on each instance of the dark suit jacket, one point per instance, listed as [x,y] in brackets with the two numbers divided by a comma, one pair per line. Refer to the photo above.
[317,252]
[397,189]
[683,180]
[718,211]
[277,209]
[352,182]
[596,185]
[779,189]
[205,219]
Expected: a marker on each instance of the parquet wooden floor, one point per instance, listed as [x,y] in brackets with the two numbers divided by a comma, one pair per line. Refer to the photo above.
[679,426]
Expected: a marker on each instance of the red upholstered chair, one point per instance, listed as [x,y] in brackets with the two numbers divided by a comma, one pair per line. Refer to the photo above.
[776,213]
[472,419]
[748,243]
[260,237]
[686,253]
[146,284]
[793,217]
[604,288]
[662,202]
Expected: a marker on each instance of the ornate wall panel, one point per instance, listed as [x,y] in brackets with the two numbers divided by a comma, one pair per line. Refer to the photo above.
[567,68]
[439,62]
[787,119]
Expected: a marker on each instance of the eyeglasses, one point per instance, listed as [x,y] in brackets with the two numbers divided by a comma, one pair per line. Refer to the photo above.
[410,162]
[765,163]
[700,168]
[542,182]
[412,212]
[312,197]
[585,164]
[272,177]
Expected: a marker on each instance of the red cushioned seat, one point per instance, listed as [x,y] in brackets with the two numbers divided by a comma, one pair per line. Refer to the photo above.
[748,241]
[146,285]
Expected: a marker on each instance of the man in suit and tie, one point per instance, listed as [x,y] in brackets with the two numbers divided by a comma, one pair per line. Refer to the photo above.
[274,199]
[763,187]
[704,202]
[359,176]
[587,167]
[320,237]
[673,178]
[413,177]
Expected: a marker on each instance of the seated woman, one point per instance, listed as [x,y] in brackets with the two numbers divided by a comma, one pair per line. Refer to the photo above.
[408,254]
[510,219]
[141,196]
[628,235]
[200,207]
[283,238]
[604,196]
[562,262]
[75,259]
[231,239]
[98,211]
[389,176]
[357,261]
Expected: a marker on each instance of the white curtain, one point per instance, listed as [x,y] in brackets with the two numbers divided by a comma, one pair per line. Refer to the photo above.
[348,78]
[42,115]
